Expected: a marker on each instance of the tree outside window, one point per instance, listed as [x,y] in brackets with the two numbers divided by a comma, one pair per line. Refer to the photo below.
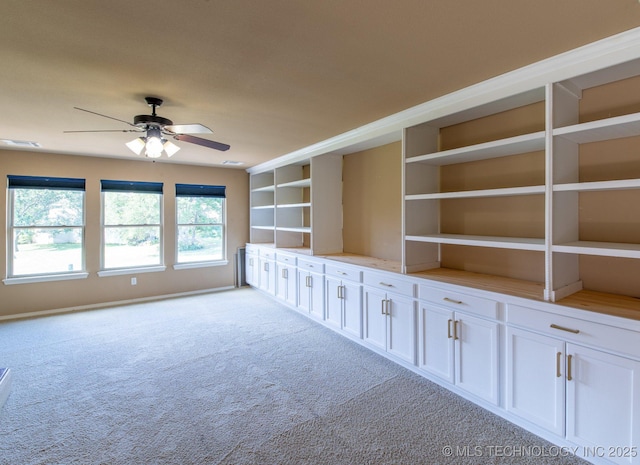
[132,224]
[46,225]
[200,223]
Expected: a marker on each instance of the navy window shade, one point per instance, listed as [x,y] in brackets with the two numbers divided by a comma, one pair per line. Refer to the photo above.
[131,186]
[200,190]
[42,182]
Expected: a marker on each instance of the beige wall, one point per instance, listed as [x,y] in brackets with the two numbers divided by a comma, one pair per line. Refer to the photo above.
[24,298]
[372,202]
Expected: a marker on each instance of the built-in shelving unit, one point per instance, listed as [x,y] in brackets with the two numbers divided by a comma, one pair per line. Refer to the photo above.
[460,196]
[285,201]
[531,176]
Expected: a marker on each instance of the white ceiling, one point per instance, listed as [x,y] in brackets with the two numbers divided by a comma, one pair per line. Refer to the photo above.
[268,76]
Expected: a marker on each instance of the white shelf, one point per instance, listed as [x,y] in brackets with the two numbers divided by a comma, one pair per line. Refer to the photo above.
[619,184]
[264,189]
[502,192]
[605,249]
[594,131]
[267,228]
[300,183]
[295,205]
[516,243]
[300,229]
[494,149]
[262,207]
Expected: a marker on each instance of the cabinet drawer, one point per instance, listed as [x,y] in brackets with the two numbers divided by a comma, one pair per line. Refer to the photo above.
[389,283]
[268,253]
[575,330]
[252,249]
[310,265]
[343,272]
[289,259]
[457,301]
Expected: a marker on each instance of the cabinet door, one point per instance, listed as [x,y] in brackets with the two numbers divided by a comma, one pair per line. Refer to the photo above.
[401,340]
[603,402]
[251,270]
[286,283]
[476,355]
[375,318]
[436,341]
[333,300]
[352,308]
[268,275]
[281,281]
[316,305]
[536,379]
[304,290]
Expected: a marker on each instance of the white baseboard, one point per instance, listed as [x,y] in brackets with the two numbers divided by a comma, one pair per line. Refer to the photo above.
[5,385]
[112,304]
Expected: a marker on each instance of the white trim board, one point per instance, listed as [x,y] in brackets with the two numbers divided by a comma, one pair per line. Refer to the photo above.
[116,303]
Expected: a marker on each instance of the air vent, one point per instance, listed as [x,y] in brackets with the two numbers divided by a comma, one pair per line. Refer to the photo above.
[20,143]
[232,162]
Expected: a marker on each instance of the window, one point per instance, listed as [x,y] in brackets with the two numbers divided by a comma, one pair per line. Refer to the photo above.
[46,226]
[132,224]
[200,212]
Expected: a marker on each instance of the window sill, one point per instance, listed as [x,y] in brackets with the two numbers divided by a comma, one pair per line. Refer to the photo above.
[45,278]
[188,266]
[121,271]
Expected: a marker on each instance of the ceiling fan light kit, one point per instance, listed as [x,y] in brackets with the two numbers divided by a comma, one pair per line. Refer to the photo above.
[155,127]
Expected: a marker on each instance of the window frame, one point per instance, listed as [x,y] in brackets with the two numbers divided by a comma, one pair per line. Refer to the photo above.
[200,190]
[16,182]
[140,187]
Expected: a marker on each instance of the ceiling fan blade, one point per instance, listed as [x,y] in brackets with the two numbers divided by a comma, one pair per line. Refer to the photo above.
[106,130]
[203,142]
[105,116]
[194,128]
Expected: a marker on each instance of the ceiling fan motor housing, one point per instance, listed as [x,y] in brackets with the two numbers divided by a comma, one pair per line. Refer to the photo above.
[151,120]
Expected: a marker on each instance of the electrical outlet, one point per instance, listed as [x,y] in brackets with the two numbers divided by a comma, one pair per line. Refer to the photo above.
[134,281]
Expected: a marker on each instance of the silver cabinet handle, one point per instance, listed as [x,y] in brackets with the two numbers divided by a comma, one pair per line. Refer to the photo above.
[285,273]
[386,284]
[251,262]
[453,301]
[455,330]
[266,266]
[558,361]
[562,328]
[340,292]
[569,358]
[308,281]
[382,302]
[449,336]
[342,273]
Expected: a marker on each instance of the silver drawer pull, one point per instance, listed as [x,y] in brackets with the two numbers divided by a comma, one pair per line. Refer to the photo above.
[453,301]
[386,284]
[342,273]
[562,328]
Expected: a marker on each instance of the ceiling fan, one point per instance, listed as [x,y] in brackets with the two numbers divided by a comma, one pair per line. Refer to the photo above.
[155,127]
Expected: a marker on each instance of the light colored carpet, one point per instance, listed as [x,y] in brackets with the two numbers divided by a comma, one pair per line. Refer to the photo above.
[228,378]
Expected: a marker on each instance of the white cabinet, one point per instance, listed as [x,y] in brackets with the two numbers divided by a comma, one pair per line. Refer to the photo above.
[267,271]
[286,278]
[343,305]
[252,269]
[457,345]
[585,394]
[389,323]
[311,287]
[535,380]
[460,348]
[603,402]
